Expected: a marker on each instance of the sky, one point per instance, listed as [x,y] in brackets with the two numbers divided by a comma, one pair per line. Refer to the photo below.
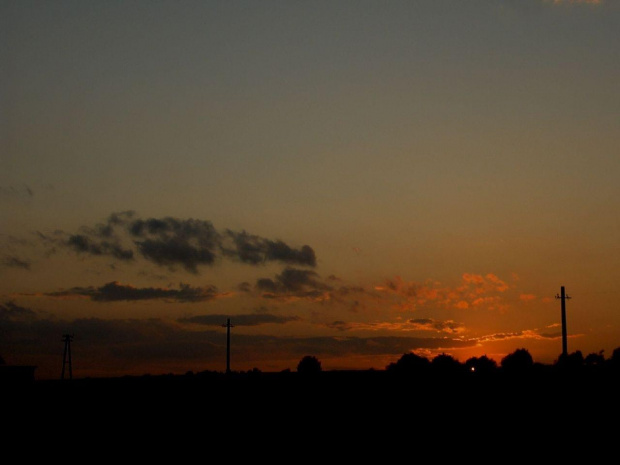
[350,180]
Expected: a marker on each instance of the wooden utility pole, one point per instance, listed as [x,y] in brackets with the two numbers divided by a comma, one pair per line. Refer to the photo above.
[563,298]
[227,325]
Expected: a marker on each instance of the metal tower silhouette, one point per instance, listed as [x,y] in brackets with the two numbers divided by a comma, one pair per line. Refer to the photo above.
[227,326]
[562,296]
[66,359]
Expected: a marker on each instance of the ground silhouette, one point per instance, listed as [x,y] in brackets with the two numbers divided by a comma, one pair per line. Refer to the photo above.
[435,392]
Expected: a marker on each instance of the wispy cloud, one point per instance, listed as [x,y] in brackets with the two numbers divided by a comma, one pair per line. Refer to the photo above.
[475,290]
[115,291]
[22,192]
[293,283]
[418,324]
[535,334]
[10,311]
[430,324]
[15,262]
[239,320]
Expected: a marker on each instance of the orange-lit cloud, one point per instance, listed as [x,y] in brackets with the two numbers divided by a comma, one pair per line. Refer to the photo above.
[525,334]
[419,324]
[527,297]
[476,290]
[430,324]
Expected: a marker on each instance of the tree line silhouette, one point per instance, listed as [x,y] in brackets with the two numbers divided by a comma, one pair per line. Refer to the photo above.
[434,388]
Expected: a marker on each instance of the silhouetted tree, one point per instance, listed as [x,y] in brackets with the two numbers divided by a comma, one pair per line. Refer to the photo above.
[518,361]
[594,359]
[572,361]
[446,364]
[614,361]
[409,363]
[482,365]
[309,365]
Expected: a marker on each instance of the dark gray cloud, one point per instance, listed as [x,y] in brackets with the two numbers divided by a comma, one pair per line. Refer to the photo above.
[15,262]
[84,244]
[173,242]
[239,320]
[293,282]
[339,325]
[12,312]
[245,287]
[114,291]
[170,241]
[252,249]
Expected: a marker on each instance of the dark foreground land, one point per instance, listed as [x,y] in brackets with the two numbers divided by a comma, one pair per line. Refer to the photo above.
[370,415]
[325,392]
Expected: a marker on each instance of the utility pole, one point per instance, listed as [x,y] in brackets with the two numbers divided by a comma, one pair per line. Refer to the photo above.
[563,297]
[66,358]
[227,326]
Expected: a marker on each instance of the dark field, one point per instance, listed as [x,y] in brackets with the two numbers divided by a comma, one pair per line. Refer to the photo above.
[362,414]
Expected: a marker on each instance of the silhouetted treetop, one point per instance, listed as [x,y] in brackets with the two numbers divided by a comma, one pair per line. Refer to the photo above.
[309,365]
[594,359]
[481,365]
[572,361]
[409,363]
[615,358]
[446,364]
[519,360]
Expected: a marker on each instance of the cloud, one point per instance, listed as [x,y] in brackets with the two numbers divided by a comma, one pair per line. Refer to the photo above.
[16,193]
[114,291]
[483,284]
[83,244]
[535,334]
[417,324]
[12,312]
[171,242]
[252,249]
[239,320]
[15,262]
[293,282]
[341,325]
[430,324]
[475,290]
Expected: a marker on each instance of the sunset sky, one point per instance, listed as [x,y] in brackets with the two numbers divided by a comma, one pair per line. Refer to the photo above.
[352,180]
